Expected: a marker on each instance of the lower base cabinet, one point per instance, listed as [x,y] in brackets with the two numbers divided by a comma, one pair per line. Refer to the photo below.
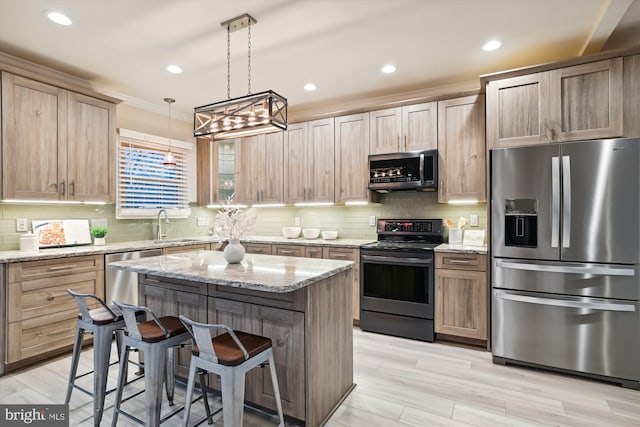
[461,295]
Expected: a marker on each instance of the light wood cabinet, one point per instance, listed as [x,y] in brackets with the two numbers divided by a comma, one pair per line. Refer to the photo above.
[56,144]
[309,162]
[257,248]
[313,251]
[461,295]
[216,170]
[409,128]
[566,104]
[289,250]
[348,254]
[461,149]
[352,151]
[42,316]
[259,171]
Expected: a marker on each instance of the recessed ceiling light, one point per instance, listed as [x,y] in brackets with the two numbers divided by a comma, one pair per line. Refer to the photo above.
[310,87]
[388,69]
[57,17]
[492,45]
[175,69]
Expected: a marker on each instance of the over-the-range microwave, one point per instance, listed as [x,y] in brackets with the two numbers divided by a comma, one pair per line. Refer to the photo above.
[412,170]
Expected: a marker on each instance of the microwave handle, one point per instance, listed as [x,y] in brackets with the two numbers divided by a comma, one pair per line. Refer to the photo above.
[421,167]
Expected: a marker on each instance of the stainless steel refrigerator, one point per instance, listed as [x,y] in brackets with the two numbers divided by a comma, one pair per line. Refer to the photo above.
[565,254]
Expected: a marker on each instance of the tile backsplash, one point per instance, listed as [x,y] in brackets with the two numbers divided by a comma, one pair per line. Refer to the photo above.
[349,221]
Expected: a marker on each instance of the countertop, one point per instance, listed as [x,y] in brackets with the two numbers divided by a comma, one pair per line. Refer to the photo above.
[267,273]
[461,249]
[52,253]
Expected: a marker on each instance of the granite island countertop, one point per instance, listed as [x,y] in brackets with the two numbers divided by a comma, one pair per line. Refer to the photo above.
[267,273]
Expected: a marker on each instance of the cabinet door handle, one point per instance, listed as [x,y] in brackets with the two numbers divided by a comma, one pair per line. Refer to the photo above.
[62,187]
[51,297]
[282,341]
[286,252]
[339,255]
[457,261]
[310,193]
[59,331]
[72,188]
[61,267]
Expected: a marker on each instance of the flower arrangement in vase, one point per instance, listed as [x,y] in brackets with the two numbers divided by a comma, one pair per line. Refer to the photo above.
[98,233]
[232,224]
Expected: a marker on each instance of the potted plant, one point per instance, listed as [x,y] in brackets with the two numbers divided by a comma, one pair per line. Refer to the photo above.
[98,233]
[232,223]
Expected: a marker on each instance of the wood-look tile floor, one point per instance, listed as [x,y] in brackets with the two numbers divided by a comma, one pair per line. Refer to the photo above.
[399,383]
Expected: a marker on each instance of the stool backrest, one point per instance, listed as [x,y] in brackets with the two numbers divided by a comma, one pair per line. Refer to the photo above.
[81,301]
[201,333]
[130,320]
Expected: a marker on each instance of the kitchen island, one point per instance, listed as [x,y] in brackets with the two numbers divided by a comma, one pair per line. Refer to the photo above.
[303,305]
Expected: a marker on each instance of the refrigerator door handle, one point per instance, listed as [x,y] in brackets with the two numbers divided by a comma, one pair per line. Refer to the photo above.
[571,269]
[555,201]
[566,208]
[568,302]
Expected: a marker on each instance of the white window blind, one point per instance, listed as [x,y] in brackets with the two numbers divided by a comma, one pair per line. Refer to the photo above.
[145,184]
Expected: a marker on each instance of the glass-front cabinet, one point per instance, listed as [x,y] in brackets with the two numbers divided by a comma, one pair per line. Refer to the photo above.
[216,171]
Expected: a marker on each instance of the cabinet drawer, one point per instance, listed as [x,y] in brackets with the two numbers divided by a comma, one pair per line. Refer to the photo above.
[258,248]
[178,249]
[313,251]
[40,335]
[54,267]
[339,254]
[289,250]
[458,261]
[34,298]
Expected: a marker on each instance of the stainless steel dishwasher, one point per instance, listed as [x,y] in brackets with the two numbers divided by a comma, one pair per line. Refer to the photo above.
[120,285]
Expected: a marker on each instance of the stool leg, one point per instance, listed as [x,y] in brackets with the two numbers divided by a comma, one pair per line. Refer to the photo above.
[276,389]
[203,387]
[155,358]
[170,376]
[119,337]
[122,373]
[232,383]
[187,400]
[77,347]
[101,351]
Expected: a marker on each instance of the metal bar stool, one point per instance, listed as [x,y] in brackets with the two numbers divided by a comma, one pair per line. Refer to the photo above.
[230,355]
[102,322]
[157,339]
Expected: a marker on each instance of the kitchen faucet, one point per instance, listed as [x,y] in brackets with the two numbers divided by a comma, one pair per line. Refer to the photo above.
[159,234]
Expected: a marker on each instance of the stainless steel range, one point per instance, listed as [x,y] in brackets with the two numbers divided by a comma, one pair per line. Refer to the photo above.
[396,278]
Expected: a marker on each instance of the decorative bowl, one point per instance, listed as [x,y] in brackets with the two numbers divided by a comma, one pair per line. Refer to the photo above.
[329,235]
[311,233]
[291,232]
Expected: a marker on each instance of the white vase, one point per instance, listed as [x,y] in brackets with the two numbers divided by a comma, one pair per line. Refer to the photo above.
[98,241]
[234,252]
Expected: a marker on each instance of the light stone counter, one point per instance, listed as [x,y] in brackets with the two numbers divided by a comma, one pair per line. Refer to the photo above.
[461,249]
[340,243]
[268,273]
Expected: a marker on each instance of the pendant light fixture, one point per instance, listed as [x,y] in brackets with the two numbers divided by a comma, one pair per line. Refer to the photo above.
[253,114]
[169,158]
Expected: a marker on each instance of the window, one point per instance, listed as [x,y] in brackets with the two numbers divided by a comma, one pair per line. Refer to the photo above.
[145,184]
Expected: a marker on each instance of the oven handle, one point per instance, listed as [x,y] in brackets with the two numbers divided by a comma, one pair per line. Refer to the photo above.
[396,260]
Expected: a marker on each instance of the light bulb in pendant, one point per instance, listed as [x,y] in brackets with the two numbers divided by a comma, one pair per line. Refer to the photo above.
[169,159]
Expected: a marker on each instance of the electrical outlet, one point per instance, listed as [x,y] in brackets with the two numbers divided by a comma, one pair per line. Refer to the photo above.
[21,224]
[296,221]
[372,221]
[203,221]
[473,220]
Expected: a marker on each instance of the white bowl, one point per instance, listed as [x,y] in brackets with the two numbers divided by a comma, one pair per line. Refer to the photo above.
[329,235]
[291,232]
[311,233]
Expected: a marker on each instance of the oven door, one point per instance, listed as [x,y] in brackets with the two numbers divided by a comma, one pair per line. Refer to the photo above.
[397,285]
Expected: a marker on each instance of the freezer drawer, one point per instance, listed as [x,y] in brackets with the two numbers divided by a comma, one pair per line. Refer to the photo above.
[580,279]
[586,335]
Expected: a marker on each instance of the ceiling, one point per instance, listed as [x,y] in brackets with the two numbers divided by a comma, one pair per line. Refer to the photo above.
[122,47]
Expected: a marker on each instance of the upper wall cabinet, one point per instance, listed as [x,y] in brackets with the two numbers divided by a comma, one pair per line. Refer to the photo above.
[216,170]
[56,144]
[410,128]
[309,162]
[352,151]
[566,104]
[461,149]
[259,170]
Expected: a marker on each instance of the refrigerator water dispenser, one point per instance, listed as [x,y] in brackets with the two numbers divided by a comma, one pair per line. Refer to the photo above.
[521,223]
